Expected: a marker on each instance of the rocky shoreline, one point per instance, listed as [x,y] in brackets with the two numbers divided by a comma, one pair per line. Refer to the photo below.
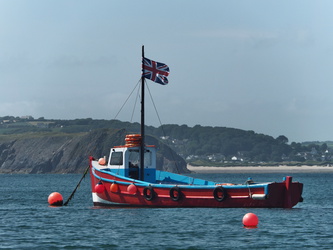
[63,153]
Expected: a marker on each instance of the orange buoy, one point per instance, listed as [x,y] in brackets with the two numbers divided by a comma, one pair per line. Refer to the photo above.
[99,188]
[55,199]
[102,161]
[132,189]
[250,220]
[114,187]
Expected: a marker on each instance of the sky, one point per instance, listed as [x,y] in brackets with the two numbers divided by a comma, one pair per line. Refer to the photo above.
[257,65]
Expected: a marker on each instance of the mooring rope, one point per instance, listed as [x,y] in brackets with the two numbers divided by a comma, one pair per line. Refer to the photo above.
[77,186]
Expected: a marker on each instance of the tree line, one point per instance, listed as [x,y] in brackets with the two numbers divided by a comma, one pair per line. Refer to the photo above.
[220,143]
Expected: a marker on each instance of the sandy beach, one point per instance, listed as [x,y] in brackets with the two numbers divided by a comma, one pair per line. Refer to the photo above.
[261,169]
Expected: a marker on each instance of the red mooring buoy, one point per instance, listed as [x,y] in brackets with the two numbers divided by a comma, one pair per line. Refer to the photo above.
[250,220]
[55,199]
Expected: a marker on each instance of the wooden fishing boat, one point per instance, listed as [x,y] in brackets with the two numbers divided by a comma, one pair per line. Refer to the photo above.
[129,178]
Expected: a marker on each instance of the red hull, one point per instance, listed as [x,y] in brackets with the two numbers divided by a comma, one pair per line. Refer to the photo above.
[120,191]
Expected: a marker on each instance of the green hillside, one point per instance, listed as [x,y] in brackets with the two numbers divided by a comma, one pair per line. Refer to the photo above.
[197,145]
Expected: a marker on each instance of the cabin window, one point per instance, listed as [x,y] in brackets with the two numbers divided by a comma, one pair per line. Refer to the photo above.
[116,158]
[134,157]
[148,158]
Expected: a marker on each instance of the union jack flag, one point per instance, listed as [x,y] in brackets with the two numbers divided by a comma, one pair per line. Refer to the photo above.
[155,71]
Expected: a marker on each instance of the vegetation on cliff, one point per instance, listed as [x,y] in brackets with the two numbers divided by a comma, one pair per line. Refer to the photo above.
[197,145]
[58,152]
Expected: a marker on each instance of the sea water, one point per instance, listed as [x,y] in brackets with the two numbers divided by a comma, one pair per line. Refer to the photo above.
[28,222]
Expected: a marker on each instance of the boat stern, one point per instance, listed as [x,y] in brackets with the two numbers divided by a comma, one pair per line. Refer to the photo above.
[293,192]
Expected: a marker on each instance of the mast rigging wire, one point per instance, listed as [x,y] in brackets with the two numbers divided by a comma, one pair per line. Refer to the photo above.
[126,100]
[164,134]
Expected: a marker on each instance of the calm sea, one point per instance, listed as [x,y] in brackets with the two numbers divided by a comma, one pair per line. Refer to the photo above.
[27,222]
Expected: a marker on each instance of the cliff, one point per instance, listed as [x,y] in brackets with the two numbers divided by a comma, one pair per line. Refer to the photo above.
[68,153]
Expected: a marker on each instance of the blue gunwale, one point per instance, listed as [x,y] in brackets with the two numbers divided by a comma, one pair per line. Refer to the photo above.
[195,183]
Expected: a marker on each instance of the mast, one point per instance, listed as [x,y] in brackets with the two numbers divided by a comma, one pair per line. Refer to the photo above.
[142,145]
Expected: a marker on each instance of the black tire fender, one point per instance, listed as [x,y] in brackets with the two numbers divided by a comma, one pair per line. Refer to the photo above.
[219,193]
[175,193]
[149,193]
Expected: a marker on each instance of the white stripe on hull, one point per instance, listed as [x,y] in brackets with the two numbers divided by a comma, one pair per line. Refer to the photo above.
[99,200]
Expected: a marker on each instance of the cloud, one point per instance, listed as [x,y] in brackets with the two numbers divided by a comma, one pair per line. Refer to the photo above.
[19,108]
[238,34]
[260,38]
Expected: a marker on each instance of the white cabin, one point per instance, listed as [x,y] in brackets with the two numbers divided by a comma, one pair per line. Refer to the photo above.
[125,161]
